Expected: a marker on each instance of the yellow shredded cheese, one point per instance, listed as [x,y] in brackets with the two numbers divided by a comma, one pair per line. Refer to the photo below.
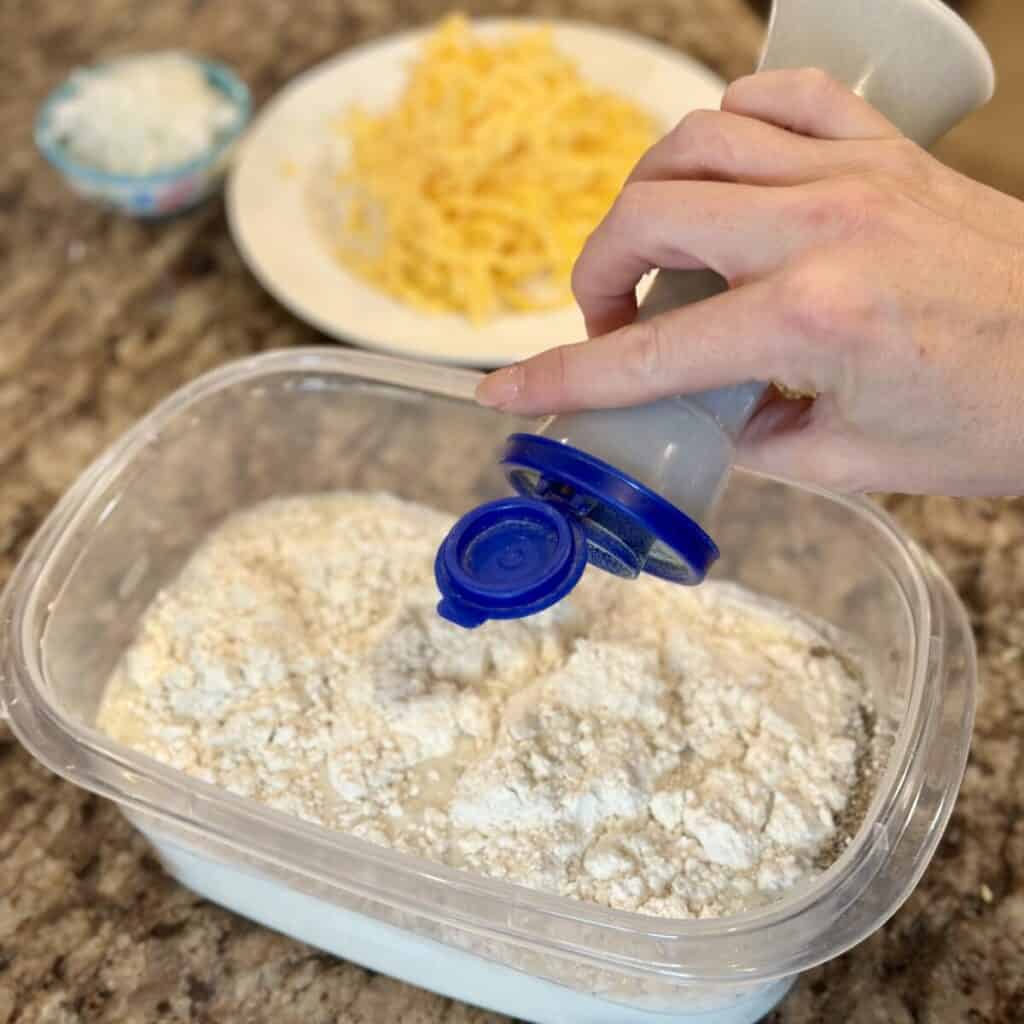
[477,191]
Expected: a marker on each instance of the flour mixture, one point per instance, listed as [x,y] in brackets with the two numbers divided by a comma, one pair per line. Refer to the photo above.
[677,752]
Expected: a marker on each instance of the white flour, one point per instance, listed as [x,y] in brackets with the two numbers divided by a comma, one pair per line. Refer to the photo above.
[678,752]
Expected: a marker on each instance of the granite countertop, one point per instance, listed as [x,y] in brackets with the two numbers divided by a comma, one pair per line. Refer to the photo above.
[101,317]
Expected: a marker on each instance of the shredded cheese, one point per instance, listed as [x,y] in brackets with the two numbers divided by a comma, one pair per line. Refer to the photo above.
[477,191]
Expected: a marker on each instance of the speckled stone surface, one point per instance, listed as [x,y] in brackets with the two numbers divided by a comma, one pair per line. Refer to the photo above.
[100,318]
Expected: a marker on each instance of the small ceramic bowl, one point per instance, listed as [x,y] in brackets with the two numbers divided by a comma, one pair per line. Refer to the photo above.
[162,193]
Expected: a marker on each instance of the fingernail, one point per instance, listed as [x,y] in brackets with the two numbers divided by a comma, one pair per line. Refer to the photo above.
[501,388]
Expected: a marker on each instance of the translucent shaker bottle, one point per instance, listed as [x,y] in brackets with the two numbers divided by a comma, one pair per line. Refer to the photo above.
[632,490]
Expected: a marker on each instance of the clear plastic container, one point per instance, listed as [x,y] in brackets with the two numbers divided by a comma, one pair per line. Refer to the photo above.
[315,420]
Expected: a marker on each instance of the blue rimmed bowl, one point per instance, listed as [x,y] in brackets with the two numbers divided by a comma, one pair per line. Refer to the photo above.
[162,193]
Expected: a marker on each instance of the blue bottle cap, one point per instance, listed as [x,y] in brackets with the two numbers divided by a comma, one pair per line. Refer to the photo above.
[517,556]
[508,559]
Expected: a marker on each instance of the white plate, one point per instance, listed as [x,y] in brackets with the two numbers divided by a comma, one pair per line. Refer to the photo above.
[268,208]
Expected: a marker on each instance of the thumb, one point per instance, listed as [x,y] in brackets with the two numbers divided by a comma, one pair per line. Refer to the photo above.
[797,440]
[737,336]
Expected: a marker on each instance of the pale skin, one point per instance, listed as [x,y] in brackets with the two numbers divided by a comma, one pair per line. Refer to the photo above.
[862,272]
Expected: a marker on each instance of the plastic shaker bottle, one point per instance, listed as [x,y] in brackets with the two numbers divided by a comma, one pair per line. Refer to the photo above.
[632,490]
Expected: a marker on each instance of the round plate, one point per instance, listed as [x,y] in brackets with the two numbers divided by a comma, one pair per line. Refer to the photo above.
[269,208]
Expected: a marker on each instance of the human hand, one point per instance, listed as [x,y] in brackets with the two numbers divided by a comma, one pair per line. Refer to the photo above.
[861,270]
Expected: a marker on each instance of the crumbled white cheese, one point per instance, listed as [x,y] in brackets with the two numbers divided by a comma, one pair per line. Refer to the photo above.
[141,115]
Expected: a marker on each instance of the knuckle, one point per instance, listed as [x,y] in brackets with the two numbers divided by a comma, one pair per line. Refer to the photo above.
[646,356]
[548,376]
[736,93]
[801,296]
[693,125]
[702,139]
[627,208]
[560,372]
[580,277]
[901,162]
[828,301]
[806,90]
[850,206]
[906,158]
[816,85]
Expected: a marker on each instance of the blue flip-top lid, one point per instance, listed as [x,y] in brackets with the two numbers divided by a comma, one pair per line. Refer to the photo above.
[517,556]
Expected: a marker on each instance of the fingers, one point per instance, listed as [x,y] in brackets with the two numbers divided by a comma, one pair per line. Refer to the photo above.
[740,335]
[735,230]
[751,139]
[737,218]
[807,101]
[799,445]
[730,222]
[721,146]
[741,232]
